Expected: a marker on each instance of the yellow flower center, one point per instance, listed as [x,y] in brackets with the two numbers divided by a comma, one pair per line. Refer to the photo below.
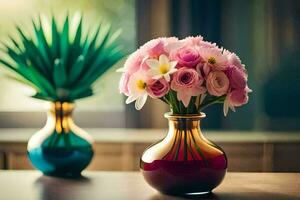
[164,68]
[212,60]
[141,84]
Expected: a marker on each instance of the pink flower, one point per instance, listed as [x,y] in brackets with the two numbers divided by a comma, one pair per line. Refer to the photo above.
[190,67]
[233,59]
[194,41]
[237,77]
[156,47]
[134,63]
[169,40]
[238,97]
[158,88]
[123,85]
[206,44]
[186,56]
[187,83]
[198,42]
[213,58]
[217,83]
[199,68]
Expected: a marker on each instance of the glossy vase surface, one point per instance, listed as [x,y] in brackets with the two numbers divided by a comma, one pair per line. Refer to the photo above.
[61,148]
[184,162]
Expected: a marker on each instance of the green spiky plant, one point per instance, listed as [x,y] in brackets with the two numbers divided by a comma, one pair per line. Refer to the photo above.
[64,68]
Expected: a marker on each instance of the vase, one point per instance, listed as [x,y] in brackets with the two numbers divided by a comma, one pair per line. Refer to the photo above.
[184,162]
[61,148]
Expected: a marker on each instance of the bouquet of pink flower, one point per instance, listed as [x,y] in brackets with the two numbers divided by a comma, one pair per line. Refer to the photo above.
[188,75]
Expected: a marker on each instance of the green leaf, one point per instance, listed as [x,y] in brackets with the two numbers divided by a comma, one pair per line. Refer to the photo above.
[18,59]
[97,55]
[20,77]
[100,69]
[41,96]
[77,39]
[61,69]
[59,74]
[114,36]
[42,43]
[64,41]
[32,53]
[76,69]
[81,92]
[45,86]
[75,48]
[55,48]
[89,48]
[15,43]
[96,59]
[32,76]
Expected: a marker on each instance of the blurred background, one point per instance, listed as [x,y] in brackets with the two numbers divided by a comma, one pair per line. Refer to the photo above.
[264,33]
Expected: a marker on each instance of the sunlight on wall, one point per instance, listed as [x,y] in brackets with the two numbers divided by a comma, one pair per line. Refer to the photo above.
[14,97]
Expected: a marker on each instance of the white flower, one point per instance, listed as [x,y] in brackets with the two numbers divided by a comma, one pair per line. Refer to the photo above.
[226,106]
[137,86]
[161,68]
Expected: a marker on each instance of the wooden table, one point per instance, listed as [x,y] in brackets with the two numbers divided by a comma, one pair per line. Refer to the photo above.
[31,185]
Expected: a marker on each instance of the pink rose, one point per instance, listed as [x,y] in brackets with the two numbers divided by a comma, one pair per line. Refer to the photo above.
[187,83]
[233,59]
[206,44]
[135,62]
[237,77]
[169,40]
[217,83]
[158,88]
[238,97]
[193,41]
[123,85]
[199,68]
[156,47]
[186,56]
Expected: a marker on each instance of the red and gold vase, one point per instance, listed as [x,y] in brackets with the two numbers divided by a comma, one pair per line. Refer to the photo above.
[184,162]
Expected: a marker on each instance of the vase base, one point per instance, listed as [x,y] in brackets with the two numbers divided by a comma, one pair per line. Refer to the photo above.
[64,175]
[189,194]
[61,162]
[198,193]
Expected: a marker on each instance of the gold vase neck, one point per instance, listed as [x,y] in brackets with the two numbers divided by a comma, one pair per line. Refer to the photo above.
[62,108]
[184,122]
[171,116]
[60,115]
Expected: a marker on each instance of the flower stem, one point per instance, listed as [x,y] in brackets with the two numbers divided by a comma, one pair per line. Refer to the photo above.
[192,109]
[211,101]
[174,102]
[165,100]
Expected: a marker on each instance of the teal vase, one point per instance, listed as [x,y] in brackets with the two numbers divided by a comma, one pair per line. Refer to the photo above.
[61,148]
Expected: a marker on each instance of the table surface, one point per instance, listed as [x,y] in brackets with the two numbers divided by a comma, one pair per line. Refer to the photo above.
[31,185]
